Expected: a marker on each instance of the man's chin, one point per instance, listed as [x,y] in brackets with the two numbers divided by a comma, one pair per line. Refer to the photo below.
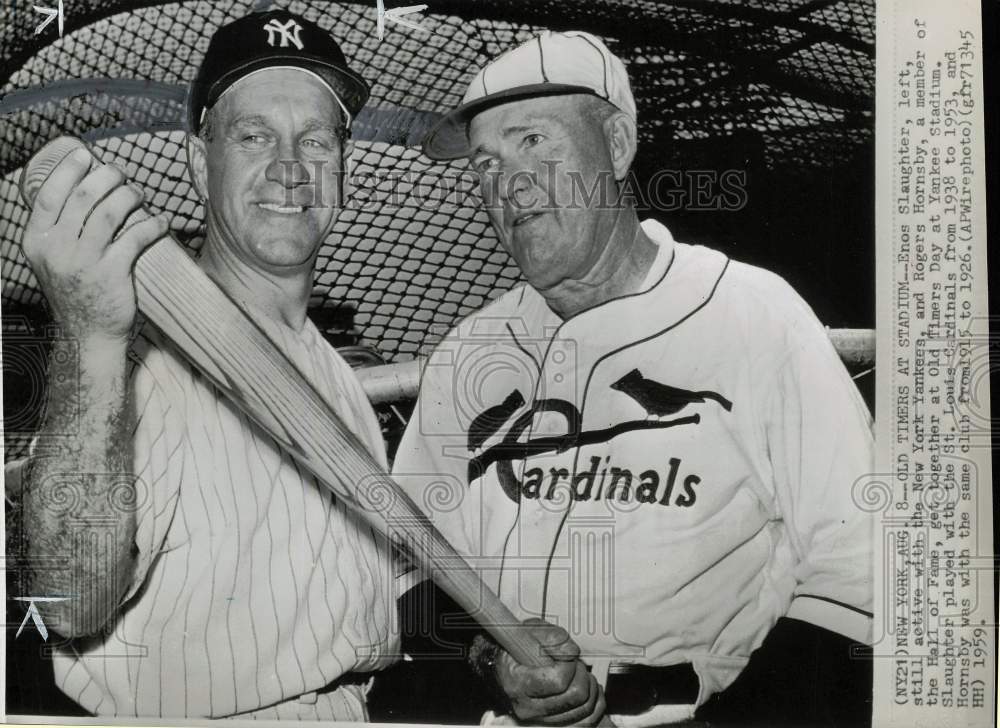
[542,276]
[540,268]
[292,239]
[285,254]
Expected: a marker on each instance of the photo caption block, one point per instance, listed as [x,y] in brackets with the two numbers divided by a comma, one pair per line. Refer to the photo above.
[934,620]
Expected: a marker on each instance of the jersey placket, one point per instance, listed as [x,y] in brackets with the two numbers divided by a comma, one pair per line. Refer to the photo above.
[548,440]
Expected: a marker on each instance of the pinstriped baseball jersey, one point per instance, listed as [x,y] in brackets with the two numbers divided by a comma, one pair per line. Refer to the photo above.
[666,474]
[253,584]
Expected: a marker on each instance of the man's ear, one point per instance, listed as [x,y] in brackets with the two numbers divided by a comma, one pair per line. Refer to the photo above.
[346,155]
[622,138]
[197,164]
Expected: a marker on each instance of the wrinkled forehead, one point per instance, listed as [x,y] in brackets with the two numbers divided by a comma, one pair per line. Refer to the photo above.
[271,92]
[544,113]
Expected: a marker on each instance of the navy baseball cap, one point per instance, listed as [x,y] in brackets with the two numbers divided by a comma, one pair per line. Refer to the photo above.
[274,38]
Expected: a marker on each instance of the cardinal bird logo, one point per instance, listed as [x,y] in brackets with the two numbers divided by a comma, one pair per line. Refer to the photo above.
[661,400]
[489,422]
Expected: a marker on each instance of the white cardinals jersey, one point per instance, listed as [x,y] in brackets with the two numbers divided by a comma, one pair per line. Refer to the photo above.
[664,475]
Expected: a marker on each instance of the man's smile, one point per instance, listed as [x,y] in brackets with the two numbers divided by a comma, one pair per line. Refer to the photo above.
[281,209]
[525,218]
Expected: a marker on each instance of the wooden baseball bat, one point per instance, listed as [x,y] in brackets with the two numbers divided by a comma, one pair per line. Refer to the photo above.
[223,341]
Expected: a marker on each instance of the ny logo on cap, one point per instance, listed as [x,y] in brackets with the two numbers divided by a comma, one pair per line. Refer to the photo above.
[288,34]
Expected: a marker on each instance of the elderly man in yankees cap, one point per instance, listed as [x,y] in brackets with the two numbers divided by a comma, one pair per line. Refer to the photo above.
[233,584]
[656,459]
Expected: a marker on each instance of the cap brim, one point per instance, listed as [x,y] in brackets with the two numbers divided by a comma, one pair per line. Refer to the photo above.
[449,137]
[351,88]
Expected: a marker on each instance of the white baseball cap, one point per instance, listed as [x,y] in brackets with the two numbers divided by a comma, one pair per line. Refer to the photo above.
[548,65]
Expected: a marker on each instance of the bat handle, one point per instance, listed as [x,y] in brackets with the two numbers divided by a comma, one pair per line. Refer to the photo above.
[502,625]
[459,580]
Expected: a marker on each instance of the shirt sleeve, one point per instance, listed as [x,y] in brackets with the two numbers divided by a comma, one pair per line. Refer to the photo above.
[159,452]
[431,464]
[820,445]
[366,424]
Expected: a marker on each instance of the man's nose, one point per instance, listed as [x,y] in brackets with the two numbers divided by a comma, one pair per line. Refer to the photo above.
[514,180]
[286,168]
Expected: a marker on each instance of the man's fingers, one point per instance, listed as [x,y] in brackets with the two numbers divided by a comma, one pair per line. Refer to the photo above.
[567,651]
[584,713]
[108,216]
[581,716]
[88,195]
[577,705]
[564,689]
[597,717]
[546,682]
[55,190]
[561,692]
[137,237]
[554,640]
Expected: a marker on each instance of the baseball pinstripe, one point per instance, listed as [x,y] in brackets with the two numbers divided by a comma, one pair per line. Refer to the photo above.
[253,584]
[541,61]
[345,704]
[604,60]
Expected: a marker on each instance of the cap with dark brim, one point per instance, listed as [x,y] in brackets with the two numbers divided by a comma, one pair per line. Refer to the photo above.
[449,137]
[351,88]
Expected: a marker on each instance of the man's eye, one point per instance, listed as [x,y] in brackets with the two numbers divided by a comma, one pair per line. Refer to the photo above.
[315,144]
[533,139]
[254,140]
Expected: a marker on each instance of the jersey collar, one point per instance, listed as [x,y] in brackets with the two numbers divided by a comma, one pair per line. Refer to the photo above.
[681,279]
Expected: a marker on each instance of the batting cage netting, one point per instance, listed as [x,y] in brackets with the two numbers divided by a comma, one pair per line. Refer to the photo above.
[779,93]
[773,99]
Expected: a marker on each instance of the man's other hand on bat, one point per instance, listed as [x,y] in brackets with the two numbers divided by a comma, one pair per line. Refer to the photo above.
[563,693]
